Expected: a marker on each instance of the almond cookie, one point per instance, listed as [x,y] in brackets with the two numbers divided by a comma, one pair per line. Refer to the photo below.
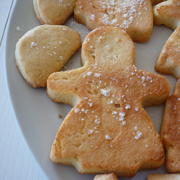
[110,176]
[44,50]
[168,61]
[164,177]
[170,129]
[167,13]
[135,16]
[54,12]
[108,129]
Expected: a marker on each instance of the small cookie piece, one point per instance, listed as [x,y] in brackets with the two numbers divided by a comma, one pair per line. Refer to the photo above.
[108,129]
[167,13]
[168,61]
[53,12]
[170,129]
[163,177]
[110,176]
[44,50]
[135,16]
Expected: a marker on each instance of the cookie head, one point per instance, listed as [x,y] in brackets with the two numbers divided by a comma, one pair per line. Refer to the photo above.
[107,49]
[108,129]
[44,50]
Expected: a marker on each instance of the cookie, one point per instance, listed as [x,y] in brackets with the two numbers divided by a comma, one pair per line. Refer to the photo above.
[110,176]
[135,16]
[168,61]
[167,13]
[170,131]
[154,2]
[44,50]
[163,177]
[53,12]
[108,129]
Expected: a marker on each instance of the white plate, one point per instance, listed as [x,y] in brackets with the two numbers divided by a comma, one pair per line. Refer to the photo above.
[37,115]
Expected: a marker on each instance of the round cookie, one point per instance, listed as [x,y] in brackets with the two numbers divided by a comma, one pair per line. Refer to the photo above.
[44,50]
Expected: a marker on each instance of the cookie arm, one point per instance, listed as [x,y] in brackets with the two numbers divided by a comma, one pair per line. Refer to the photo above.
[156,91]
[63,87]
[147,88]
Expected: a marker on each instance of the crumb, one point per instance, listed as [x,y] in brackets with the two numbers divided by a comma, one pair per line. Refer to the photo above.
[19,29]
[60,116]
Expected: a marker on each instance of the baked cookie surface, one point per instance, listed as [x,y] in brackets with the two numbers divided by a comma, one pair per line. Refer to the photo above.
[170,131]
[168,61]
[167,13]
[44,50]
[110,176]
[135,16]
[53,12]
[163,177]
[108,129]
[154,2]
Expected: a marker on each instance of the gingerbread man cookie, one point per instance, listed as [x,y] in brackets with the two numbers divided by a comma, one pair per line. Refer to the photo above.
[135,16]
[108,129]
[170,130]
